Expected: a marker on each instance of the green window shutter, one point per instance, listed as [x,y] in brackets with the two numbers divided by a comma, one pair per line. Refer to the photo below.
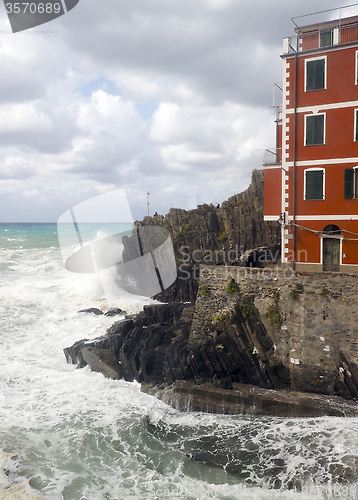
[348,182]
[319,129]
[319,82]
[314,130]
[314,185]
[315,71]
[310,75]
[310,186]
[319,185]
[310,125]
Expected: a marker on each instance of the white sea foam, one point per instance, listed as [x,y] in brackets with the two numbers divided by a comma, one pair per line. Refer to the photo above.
[11,488]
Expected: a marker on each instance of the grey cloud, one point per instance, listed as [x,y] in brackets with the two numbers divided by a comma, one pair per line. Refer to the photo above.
[214,51]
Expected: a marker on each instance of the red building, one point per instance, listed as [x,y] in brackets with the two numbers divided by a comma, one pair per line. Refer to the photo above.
[311,181]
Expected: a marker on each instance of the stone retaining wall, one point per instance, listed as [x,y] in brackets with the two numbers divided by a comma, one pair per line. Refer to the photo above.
[312,319]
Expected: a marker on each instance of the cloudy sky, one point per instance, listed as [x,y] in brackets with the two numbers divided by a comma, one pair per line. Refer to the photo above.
[167,96]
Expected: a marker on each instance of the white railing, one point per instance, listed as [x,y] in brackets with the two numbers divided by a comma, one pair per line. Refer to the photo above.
[321,38]
[272,156]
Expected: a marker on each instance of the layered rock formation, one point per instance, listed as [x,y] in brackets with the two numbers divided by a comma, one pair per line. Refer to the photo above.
[221,235]
[256,333]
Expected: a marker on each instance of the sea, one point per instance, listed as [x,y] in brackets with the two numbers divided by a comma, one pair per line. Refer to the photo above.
[71,434]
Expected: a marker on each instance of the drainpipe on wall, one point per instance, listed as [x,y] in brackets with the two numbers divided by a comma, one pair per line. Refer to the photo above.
[294,168]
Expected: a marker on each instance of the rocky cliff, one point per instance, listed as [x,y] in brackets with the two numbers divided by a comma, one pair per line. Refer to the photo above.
[233,233]
[265,330]
[212,232]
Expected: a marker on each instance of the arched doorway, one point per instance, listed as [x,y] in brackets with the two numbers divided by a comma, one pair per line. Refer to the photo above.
[331,248]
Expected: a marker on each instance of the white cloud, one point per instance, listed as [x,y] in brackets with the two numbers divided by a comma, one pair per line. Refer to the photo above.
[72,123]
[24,116]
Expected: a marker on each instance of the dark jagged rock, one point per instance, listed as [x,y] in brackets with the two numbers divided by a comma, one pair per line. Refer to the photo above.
[346,383]
[102,361]
[73,354]
[218,372]
[112,341]
[115,311]
[249,399]
[153,348]
[185,287]
[156,348]
[92,310]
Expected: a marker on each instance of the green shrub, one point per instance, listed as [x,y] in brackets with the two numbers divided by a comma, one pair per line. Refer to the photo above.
[295,293]
[250,350]
[249,309]
[232,287]
[274,316]
[204,290]
[222,237]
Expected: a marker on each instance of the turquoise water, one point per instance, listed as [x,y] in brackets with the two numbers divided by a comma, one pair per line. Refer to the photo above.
[30,236]
[45,235]
[78,436]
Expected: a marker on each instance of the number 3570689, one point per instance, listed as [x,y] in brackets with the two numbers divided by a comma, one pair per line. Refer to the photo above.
[33,8]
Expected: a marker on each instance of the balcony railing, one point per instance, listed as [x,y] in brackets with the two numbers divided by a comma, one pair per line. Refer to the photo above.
[272,156]
[321,38]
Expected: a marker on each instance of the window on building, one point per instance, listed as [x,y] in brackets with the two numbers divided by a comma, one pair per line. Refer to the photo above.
[314,184]
[356,67]
[314,130]
[326,37]
[351,182]
[356,125]
[315,74]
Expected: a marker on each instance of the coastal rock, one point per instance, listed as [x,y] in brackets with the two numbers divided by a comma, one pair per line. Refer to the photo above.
[112,341]
[158,345]
[156,348]
[93,310]
[102,361]
[115,311]
[250,400]
[73,354]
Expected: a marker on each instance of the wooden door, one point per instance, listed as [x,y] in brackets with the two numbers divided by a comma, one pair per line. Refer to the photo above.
[331,254]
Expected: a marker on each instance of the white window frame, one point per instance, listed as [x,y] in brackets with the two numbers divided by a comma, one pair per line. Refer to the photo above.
[356,69]
[325,72]
[355,193]
[331,30]
[324,128]
[355,125]
[324,182]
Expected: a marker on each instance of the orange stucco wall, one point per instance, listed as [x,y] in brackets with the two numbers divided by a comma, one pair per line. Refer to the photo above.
[308,243]
[272,191]
[340,77]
